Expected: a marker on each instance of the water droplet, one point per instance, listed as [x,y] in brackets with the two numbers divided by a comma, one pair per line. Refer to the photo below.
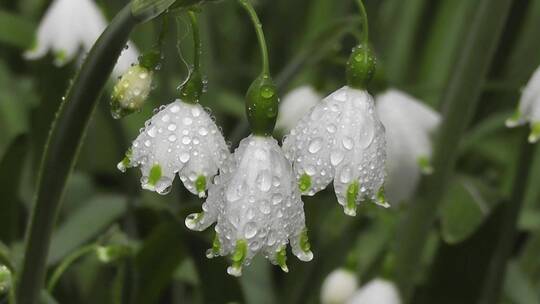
[171,127]
[267,92]
[315,145]
[250,230]
[186,140]
[348,143]
[264,180]
[184,157]
[165,118]
[172,138]
[340,96]
[187,121]
[151,131]
[195,112]
[336,157]
[277,198]
[265,207]
[203,131]
[175,109]
[345,175]
[147,143]
[331,128]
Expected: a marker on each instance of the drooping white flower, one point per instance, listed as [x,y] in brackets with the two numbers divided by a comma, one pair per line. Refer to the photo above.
[338,287]
[529,108]
[180,138]
[377,291]
[340,139]
[71,25]
[409,128]
[295,105]
[257,206]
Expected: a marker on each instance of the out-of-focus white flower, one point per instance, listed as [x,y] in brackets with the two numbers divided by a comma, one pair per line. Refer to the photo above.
[340,139]
[180,138]
[338,287]
[409,126]
[71,25]
[131,91]
[377,291]
[295,105]
[257,206]
[529,108]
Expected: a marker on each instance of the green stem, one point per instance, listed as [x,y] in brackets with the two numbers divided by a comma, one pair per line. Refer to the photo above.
[461,100]
[63,143]
[70,259]
[197,45]
[365,26]
[260,34]
[497,266]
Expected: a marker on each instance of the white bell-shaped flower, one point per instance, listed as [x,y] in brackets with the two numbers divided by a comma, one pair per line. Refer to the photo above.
[338,287]
[341,139]
[377,291]
[529,108]
[257,206]
[295,105]
[409,128]
[71,25]
[180,138]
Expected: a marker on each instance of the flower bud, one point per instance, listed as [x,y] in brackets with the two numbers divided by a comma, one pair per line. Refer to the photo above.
[113,253]
[5,279]
[131,91]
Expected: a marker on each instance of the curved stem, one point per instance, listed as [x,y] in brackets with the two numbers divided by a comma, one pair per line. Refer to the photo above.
[365,26]
[66,135]
[66,263]
[260,34]
[197,46]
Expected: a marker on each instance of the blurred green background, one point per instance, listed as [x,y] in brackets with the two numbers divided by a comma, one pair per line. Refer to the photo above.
[417,43]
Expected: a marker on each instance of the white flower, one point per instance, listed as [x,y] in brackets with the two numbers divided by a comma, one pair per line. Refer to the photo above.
[181,138]
[529,108]
[377,291]
[295,105]
[338,287]
[257,207]
[340,139]
[68,26]
[409,125]
[131,91]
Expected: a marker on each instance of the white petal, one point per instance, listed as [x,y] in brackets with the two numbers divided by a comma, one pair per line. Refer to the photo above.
[529,104]
[376,291]
[295,105]
[128,57]
[338,287]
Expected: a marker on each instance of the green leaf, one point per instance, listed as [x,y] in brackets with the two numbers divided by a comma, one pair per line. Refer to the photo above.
[85,224]
[158,259]
[466,204]
[16,31]
[11,168]
[517,287]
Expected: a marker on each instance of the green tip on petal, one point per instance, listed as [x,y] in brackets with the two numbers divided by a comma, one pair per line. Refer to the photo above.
[238,257]
[352,195]
[425,165]
[5,279]
[381,198]
[112,253]
[200,185]
[216,248]
[60,57]
[514,120]
[535,133]
[155,175]
[126,162]
[281,258]
[305,183]
[304,241]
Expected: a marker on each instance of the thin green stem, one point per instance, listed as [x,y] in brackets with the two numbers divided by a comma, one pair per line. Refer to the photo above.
[197,45]
[365,22]
[70,259]
[60,153]
[260,34]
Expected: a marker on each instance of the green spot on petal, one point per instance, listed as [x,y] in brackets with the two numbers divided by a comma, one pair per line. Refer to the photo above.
[281,258]
[304,183]
[535,133]
[200,184]
[60,57]
[216,245]
[238,258]
[304,241]
[155,175]
[381,198]
[352,195]
[425,165]
[514,120]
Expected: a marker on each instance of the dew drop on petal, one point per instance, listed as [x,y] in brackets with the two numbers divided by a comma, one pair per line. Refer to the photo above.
[315,145]
[264,180]
[250,230]
[336,157]
[184,157]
